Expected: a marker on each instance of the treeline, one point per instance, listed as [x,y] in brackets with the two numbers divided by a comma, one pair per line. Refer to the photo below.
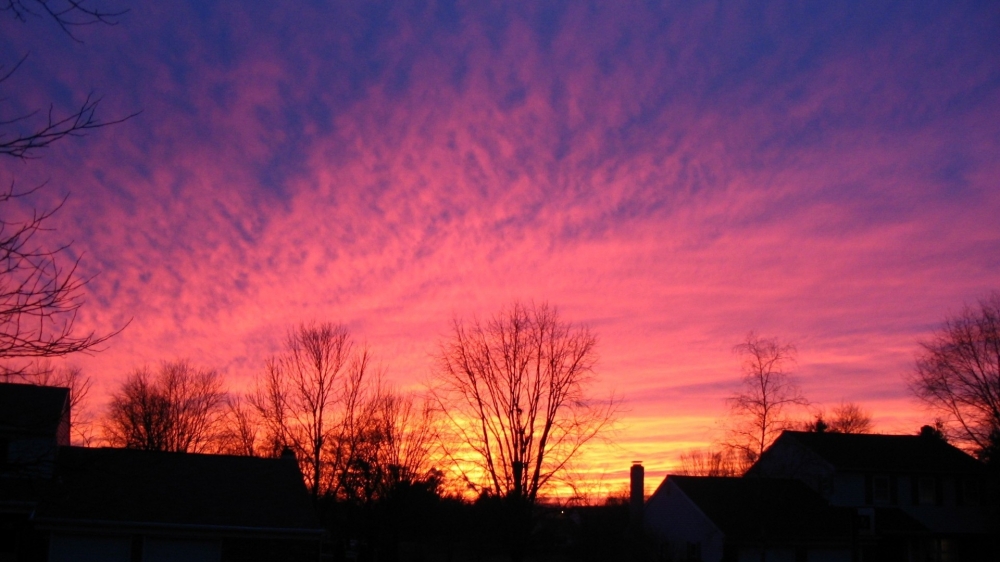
[322,399]
[767,402]
[507,409]
[956,375]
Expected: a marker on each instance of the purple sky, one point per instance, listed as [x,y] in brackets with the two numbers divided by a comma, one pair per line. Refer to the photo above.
[673,176]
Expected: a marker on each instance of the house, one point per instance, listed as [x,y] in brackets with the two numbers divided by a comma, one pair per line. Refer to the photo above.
[709,518]
[34,422]
[831,496]
[918,497]
[59,502]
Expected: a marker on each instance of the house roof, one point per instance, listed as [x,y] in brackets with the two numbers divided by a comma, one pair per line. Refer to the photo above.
[756,509]
[31,410]
[885,453]
[147,487]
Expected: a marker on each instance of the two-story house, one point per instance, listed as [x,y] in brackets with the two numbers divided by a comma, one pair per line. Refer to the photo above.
[832,497]
[916,496]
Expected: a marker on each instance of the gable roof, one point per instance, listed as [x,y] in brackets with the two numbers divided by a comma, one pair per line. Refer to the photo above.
[885,453]
[157,488]
[755,509]
[27,409]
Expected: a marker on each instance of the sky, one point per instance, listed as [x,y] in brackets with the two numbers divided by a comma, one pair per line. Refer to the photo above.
[672,175]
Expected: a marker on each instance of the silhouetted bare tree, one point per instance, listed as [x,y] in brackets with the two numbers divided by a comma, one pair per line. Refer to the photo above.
[407,434]
[721,461]
[176,409]
[39,293]
[312,397]
[24,134]
[39,298]
[393,448]
[240,431]
[848,417]
[760,410]
[957,373]
[514,391]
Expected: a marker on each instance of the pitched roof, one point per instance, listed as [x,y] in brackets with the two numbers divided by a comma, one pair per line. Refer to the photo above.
[146,487]
[886,453]
[755,509]
[32,410]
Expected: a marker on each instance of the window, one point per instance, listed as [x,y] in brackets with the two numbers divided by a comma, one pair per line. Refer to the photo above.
[70,548]
[825,485]
[880,489]
[693,552]
[166,550]
[970,492]
[926,490]
[865,520]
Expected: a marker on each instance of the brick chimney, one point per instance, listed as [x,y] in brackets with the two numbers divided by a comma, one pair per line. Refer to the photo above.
[636,494]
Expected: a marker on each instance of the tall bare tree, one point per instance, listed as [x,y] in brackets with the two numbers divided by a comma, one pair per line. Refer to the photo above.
[760,410]
[178,408]
[311,399]
[957,374]
[514,391]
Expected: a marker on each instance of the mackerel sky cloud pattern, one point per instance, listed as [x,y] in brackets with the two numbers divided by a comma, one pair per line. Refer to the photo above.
[672,174]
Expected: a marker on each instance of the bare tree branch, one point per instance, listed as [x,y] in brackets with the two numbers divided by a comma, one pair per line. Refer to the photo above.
[313,399]
[39,297]
[957,373]
[24,144]
[65,13]
[179,408]
[760,408]
[513,391]
[722,461]
[240,433]
[24,134]
[43,373]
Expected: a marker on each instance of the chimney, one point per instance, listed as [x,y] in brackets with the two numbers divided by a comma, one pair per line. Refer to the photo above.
[637,494]
[288,454]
